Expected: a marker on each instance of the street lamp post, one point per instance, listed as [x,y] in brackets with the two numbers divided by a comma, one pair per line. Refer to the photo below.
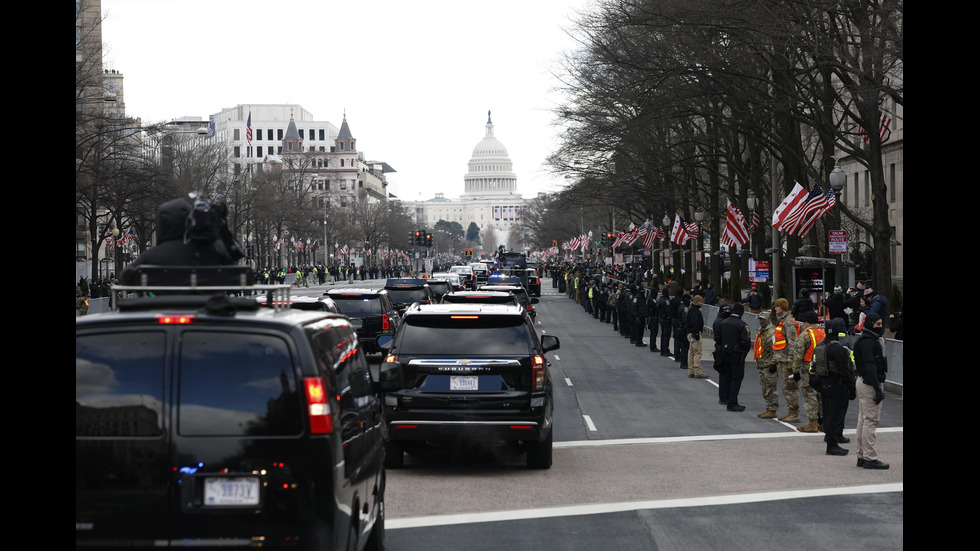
[837,181]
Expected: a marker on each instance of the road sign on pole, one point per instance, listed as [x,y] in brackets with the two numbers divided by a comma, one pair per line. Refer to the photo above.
[837,242]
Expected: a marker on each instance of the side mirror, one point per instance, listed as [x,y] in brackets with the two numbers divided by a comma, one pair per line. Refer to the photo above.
[384,341]
[390,377]
[549,342]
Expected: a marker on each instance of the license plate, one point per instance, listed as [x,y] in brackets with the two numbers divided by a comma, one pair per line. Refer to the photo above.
[463,382]
[225,491]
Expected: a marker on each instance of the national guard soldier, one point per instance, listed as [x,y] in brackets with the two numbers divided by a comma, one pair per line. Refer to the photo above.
[803,348]
[785,332]
[765,361]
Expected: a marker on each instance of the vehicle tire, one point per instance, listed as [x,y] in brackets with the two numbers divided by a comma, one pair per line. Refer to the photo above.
[394,455]
[539,453]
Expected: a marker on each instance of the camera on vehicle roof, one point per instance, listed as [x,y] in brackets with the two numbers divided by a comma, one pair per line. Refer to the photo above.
[208,222]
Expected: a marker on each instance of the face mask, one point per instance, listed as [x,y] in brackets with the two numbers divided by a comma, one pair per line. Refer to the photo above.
[879,330]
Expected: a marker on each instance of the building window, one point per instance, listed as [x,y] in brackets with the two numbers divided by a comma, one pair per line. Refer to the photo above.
[258,134]
[300,134]
[258,151]
[280,134]
[238,150]
[237,134]
[321,134]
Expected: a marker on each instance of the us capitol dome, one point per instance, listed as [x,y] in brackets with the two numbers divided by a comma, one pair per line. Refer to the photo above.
[490,172]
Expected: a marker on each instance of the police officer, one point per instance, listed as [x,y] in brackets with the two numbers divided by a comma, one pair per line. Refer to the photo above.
[680,339]
[623,306]
[653,316]
[640,313]
[681,335]
[735,344]
[663,310]
[836,384]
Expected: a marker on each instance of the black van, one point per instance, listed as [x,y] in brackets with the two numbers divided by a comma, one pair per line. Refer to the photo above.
[211,421]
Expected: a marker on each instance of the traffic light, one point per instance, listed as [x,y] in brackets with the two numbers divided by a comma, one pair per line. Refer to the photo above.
[411,238]
[428,239]
[418,237]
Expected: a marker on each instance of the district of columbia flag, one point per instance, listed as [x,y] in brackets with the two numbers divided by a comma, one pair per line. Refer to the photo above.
[735,234]
[790,205]
[679,234]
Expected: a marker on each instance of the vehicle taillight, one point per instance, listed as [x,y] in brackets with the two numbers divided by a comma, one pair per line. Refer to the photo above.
[321,422]
[537,373]
[384,322]
[179,319]
[391,359]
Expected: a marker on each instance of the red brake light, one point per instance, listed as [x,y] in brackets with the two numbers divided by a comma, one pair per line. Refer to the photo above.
[321,421]
[391,359]
[180,319]
[537,373]
[384,322]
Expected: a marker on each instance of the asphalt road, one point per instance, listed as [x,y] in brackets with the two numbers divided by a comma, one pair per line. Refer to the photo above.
[646,458]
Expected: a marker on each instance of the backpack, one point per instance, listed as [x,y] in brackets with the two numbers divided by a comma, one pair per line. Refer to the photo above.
[822,367]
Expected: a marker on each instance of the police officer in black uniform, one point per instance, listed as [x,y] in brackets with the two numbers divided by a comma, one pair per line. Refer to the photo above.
[640,313]
[735,344]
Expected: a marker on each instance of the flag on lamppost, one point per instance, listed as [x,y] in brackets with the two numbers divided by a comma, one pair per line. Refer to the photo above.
[679,233]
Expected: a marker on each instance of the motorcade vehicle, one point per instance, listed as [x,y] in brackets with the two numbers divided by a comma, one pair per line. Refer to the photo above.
[468,374]
[407,291]
[481,297]
[480,272]
[209,421]
[526,301]
[465,274]
[371,311]
[533,282]
[439,286]
[453,279]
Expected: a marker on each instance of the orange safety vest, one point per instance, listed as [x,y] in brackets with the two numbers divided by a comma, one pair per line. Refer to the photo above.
[817,334]
[758,345]
[780,340]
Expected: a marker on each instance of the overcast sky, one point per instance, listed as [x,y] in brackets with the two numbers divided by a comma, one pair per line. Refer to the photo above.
[416,79]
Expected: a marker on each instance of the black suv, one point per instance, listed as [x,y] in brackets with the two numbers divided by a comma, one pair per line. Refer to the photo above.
[526,301]
[439,287]
[211,421]
[465,373]
[372,313]
[408,291]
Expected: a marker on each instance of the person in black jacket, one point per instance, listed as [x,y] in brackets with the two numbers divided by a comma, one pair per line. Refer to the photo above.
[680,339]
[735,344]
[663,310]
[836,386]
[653,316]
[869,361]
[695,325]
[640,313]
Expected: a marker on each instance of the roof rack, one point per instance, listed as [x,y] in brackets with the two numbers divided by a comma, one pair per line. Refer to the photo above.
[194,286]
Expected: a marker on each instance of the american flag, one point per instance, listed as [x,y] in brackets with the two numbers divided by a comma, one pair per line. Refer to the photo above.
[814,202]
[756,221]
[248,129]
[620,236]
[883,125]
[649,238]
[820,207]
[735,234]
[679,233]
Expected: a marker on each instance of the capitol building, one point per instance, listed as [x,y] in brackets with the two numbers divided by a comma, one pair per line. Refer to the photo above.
[490,198]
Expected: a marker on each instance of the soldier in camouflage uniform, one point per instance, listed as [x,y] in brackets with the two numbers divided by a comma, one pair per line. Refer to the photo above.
[785,334]
[810,336]
[81,301]
[765,360]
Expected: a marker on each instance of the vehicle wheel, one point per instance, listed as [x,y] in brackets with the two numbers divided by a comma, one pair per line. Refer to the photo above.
[539,453]
[394,455]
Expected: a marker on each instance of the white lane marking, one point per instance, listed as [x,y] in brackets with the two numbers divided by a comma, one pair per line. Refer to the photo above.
[588,421]
[557,358]
[600,508]
[568,381]
[705,438]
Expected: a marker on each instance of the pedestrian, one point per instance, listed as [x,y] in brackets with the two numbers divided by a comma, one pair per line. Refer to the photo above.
[831,374]
[896,324]
[835,303]
[802,305]
[724,312]
[871,367]
[623,306]
[710,295]
[695,326]
[682,335]
[803,348]
[653,316]
[639,313]
[735,344]
[754,299]
[785,333]
[83,286]
[680,339]
[765,361]
[666,325]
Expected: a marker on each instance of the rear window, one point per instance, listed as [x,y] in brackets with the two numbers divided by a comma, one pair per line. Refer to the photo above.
[465,336]
[119,384]
[358,306]
[407,295]
[479,299]
[237,384]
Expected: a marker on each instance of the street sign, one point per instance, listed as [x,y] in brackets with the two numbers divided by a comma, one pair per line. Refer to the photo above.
[837,242]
